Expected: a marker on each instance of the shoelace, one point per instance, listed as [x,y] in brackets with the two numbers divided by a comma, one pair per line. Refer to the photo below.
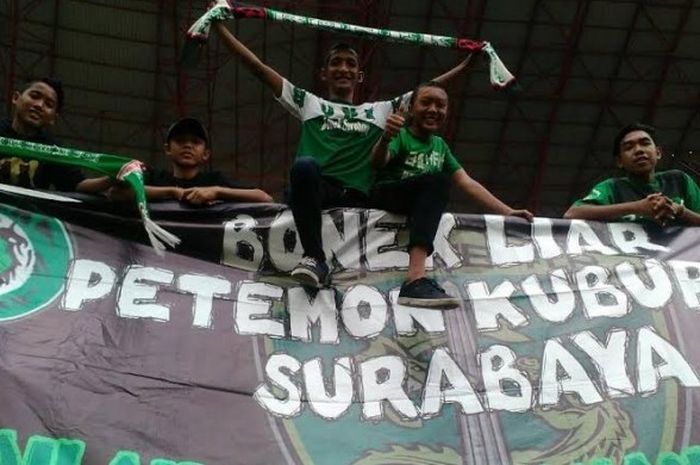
[309,261]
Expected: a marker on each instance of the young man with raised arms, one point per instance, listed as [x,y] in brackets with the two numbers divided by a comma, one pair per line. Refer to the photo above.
[332,166]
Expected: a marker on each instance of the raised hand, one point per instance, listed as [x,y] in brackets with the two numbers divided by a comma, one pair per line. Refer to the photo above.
[395,122]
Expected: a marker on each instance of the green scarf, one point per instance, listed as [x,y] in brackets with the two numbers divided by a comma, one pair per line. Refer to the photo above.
[222,10]
[120,168]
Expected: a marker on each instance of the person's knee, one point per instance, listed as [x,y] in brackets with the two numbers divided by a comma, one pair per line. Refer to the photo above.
[438,184]
[423,243]
[439,180]
[304,169]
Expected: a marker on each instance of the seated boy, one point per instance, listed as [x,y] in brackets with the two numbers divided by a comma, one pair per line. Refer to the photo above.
[416,168]
[187,146]
[35,108]
[642,194]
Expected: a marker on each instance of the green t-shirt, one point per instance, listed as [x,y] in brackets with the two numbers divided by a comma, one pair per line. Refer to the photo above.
[339,136]
[410,157]
[674,184]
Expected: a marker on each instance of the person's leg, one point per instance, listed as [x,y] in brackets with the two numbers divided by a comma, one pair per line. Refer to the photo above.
[432,193]
[431,196]
[306,197]
[416,262]
[423,199]
[346,198]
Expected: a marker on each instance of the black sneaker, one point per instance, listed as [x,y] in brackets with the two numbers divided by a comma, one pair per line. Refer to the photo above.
[425,292]
[311,272]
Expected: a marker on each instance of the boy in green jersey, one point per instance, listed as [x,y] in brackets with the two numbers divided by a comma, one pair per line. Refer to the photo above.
[416,168]
[642,194]
[332,168]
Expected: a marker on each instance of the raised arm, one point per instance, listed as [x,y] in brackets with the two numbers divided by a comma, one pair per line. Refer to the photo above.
[263,72]
[380,152]
[464,65]
[486,199]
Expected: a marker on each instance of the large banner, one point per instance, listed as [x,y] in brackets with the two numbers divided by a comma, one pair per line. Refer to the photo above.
[575,341]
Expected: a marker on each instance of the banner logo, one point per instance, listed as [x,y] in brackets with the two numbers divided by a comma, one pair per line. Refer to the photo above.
[35,253]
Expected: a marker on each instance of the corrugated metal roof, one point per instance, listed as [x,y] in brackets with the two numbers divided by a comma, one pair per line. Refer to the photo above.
[584,69]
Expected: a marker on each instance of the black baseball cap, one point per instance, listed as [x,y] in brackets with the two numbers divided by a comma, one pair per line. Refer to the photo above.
[189,126]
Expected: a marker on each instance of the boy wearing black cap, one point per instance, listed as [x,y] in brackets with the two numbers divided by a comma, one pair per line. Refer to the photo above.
[187,146]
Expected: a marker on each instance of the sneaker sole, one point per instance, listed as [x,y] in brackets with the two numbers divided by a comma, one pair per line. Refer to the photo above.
[442,304]
[306,278]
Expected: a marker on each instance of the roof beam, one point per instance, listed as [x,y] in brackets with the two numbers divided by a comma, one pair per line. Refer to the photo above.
[54,38]
[569,57]
[321,46]
[12,65]
[157,83]
[475,20]
[499,152]
[181,88]
[605,106]
[681,145]
[423,50]
[669,57]
[371,14]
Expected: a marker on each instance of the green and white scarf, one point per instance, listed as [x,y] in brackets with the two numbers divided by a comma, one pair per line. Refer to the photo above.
[224,10]
[120,168]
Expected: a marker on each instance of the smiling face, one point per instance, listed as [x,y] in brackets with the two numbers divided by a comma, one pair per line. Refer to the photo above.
[429,110]
[35,108]
[187,150]
[342,74]
[638,154]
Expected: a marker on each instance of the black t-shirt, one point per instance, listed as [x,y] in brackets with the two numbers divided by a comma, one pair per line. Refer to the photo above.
[164,178]
[33,173]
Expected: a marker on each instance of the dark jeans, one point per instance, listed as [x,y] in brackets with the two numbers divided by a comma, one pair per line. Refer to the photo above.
[309,193]
[422,198]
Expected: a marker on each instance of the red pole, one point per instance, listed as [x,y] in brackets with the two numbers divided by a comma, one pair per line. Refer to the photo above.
[14,32]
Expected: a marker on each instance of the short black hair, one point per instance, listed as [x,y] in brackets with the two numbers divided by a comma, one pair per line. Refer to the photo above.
[437,84]
[626,130]
[55,84]
[340,47]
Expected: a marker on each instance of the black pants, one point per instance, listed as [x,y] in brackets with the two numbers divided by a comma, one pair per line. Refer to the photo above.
[422,198]
[309,193]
